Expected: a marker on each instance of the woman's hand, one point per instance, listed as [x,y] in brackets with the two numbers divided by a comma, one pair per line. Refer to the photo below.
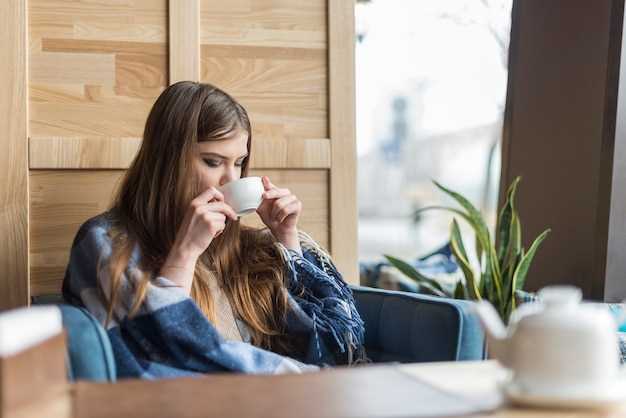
[280,211]
[205,219]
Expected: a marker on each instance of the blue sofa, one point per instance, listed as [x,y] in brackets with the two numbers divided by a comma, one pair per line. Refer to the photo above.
[399,327]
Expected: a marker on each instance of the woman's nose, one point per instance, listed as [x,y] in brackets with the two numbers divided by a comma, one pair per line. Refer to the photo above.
[229,175]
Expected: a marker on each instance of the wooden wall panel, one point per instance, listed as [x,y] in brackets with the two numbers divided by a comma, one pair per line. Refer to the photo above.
[13,155]
[272,23]
[62,200]
[184,40]
[88,153]
[272,56]
[341,113]
[51,152]
[96,67]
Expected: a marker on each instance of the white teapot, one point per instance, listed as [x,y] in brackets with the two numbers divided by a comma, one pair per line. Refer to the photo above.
[557,348]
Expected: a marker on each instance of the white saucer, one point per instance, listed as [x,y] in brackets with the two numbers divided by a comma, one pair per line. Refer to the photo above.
[608,399]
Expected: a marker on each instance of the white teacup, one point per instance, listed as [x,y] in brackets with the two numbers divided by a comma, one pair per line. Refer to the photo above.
[243,195]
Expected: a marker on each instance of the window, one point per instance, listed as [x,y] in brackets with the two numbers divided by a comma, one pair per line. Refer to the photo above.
[430,92]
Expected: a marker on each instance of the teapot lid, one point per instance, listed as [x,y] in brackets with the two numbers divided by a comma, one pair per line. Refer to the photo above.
[560,309]
[560,296]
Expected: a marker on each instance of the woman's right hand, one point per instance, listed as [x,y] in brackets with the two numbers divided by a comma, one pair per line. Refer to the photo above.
[204,220]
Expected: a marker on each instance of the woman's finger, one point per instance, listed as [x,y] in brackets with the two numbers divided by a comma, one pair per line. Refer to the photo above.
[289,210]
[276,193]
[222,208]
[267,184]
[281,204]
[207,196]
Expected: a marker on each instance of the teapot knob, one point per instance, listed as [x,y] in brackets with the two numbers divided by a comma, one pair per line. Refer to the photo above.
[560,296]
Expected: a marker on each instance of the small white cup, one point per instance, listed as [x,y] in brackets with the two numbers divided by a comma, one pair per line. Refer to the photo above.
[244,195]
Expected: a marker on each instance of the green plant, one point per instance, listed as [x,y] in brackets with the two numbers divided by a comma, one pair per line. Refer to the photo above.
[502,264]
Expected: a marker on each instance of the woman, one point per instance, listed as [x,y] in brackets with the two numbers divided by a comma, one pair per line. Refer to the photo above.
[180,285]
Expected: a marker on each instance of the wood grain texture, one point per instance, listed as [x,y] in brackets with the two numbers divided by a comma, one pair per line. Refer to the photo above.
[117,153]
[97,67]
[374,391]
[13,155]
[92,153]
[62,200]
[35,379]
[359,392]
[341,113]
[64,68]
[271,55]
[272,23]
[184,40]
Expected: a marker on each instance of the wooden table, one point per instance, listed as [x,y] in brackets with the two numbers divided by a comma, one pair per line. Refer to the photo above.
[370,391]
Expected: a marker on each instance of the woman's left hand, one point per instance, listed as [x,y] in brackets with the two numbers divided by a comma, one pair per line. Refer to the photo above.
[280,211]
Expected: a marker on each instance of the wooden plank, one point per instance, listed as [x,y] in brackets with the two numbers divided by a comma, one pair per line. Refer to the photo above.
[112,19]
[63,68]
[184,40]
[306,153]
[115,81]
[240,70]
[377,391]
[105,116]
[118,31]
[14,290]
[62,200]
[268,23]
[58,152]
[343,213]
[140,75]
[279,115]
[51,44]
[118,152]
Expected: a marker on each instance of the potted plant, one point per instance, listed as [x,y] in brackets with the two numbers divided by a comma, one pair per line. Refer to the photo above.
[502,264]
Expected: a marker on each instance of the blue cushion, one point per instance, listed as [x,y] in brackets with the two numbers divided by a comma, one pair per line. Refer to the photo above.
[90,352]
[408,327]
[90,355]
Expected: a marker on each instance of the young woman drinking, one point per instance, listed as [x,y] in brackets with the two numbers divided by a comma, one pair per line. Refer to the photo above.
[180,285]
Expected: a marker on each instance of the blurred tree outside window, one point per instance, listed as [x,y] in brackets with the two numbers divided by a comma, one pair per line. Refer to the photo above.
[431,81]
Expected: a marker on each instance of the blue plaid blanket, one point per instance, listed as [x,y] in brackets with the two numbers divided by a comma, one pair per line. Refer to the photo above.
[170,336]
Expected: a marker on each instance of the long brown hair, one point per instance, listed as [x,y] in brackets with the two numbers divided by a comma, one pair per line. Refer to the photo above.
[155,194]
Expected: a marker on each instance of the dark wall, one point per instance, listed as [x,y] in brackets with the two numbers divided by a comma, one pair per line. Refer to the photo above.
[559,134]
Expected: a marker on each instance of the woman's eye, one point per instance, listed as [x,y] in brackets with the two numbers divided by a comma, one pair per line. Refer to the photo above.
[212,163]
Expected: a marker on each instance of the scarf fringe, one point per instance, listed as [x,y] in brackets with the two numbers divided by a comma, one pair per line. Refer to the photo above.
[324,296]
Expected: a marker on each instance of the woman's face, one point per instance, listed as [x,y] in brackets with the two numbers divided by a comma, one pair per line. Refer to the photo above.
[219,161]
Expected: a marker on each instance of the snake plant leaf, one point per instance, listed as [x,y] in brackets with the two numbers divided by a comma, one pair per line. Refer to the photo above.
[472,213]
[479,253]
[482,234]
[445,208]
[489,287]
[458,249]
[514,248]
[519,277]
[482,239]
[508,272]
[460,291]
[412,273]
[505,218]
